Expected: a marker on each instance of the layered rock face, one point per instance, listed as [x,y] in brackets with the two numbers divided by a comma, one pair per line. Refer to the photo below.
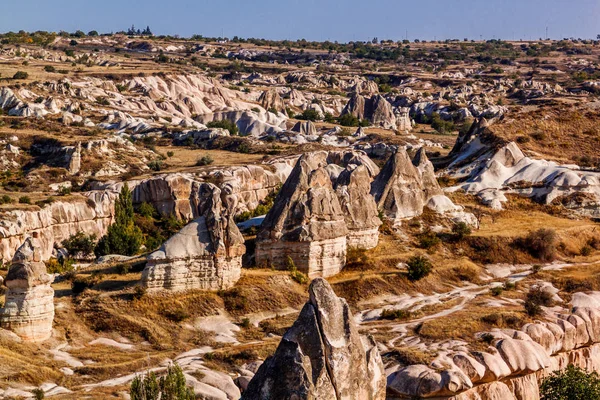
[205,254]
[516,362]
[321,356]
[306,223]
[55,222]
[29,304]
[353,188]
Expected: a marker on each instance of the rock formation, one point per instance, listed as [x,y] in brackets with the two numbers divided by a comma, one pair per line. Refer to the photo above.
[321,356]
[306,223]
[29,305]
[306,128]
[398,189]
[403,122]
[353,188]
[491,167]
[375,109]
[514,364]
[270,99]
[205,254]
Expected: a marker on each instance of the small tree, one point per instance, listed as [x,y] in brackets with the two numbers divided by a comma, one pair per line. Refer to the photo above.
[461,230]
[169,387]
[123,237]
[418,268]
[536,298]
[80,244]
[573,383]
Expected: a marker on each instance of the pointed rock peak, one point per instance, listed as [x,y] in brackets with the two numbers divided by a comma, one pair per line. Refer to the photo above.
[420,158]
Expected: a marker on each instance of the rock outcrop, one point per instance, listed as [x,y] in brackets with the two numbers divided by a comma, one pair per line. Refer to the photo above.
[321,356]
[306,223]
[353,187]
[270,100]
[403,122]
[376,109]
[55,222]
[205,254]
[29,305]
[399,189]
[513,365]
[490,167]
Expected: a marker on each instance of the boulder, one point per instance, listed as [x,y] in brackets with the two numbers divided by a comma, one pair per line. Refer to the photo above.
[205,254]
[306,222]
[321,356]
[29,305]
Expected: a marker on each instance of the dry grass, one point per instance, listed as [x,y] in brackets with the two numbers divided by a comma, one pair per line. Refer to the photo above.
[185,157]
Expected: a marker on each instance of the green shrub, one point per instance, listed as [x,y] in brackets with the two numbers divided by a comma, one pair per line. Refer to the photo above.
[123,237]
[146,210]
[540,244]
[103,101]
[572,383]
[348,120]
[496,290]
[169,387]
[536,298]
[309,115]
[170,154]
[536,268]
[296,275]
[390,314]
[122,268]
[418,268]
[21,75]
[5,199]
[80,283]
[204,160]
[24,200]
[224,124]
[49,68]
[428,239]
[461,230]
[80,244]
[38,394]
[59,266]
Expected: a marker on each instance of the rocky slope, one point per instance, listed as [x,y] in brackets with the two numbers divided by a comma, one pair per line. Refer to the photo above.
[491,167]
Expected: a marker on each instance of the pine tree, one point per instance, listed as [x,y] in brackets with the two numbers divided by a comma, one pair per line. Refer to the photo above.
[122,237]
[169,387]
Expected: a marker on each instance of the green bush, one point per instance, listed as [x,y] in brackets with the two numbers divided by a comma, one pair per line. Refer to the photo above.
[296,275]
[38,394]
[122,268]
[224,124]
[461,230]
[123,237]
[390,314]
[418,268]
[21,75]
[146,210]
[536,298]
[428,239]
[440,125]
[496,290]
[540,244]
[80,244]
[169,387]
[572,383]
[59,266]
[5,199]
[49,68]
[24,200]
[348,120]
[204,160]
[309,115]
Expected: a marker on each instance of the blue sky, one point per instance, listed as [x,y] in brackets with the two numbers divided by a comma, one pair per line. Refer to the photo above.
[314,19]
